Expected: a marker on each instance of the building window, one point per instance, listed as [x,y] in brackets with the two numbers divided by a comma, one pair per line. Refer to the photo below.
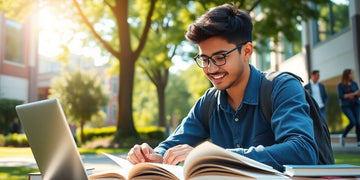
[294,47]
[334,17]
[264,55]
[13,41]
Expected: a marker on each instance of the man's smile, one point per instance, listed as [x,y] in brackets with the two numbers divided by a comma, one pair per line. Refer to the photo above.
[217,76]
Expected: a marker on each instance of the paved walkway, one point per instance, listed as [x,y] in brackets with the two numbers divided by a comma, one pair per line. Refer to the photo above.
[98,162]
[350,145]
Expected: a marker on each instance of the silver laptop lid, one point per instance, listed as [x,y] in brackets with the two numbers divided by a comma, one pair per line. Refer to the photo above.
[51,141]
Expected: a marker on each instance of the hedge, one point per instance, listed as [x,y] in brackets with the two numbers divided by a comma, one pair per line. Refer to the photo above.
[14,140]
[146,134]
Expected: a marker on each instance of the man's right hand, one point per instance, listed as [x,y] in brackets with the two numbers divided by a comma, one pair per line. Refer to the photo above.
[143,153]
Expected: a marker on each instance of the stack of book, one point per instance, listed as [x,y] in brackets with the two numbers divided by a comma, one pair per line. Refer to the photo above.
[333,171]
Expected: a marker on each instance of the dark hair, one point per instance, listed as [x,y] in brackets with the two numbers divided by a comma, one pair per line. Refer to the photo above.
[345,76]
[225,21]
[315,72]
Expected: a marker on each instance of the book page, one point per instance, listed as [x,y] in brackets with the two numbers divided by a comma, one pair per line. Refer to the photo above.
[220,166]
[153,169]
[114,173]
[208,149]
[156,171]
[123,163]
[236,174]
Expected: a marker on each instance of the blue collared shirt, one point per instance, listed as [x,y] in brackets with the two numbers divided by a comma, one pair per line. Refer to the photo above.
[289,139]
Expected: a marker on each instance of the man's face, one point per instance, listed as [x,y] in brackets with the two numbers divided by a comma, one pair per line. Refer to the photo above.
[315,77]
[230,74]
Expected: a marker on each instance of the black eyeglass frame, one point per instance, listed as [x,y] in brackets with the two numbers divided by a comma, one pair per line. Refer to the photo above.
[213,60]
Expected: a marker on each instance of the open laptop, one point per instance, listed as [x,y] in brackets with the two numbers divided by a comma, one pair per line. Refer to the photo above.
[51,141]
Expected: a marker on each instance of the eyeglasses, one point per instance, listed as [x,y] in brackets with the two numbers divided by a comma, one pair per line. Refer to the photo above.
[218,59]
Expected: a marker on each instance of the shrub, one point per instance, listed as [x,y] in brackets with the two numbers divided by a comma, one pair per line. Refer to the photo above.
[333,112]
[151,132]
[145,133]
[7,114]
[2,140]
[91,134]
[16,140]
[152,135]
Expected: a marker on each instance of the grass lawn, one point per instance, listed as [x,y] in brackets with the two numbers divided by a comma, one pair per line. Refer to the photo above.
[342,158]
[15,173]
[20,173]
[20,152]
[14,152]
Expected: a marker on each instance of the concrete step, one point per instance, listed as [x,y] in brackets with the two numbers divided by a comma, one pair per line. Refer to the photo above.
[350,144]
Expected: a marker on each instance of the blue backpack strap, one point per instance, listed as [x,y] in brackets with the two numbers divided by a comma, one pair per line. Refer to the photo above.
[266,88]
[209,106]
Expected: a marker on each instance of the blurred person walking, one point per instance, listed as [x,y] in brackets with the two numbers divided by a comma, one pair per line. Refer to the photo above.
[348,92]
[317,91]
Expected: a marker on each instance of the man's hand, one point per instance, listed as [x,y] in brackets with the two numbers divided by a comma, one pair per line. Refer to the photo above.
[177,154]
[143,153]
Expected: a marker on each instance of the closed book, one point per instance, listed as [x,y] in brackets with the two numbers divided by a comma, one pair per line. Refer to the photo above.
[34,176]
[322,170]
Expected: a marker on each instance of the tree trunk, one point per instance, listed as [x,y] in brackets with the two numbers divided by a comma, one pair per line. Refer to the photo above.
[161,105]
[125,124]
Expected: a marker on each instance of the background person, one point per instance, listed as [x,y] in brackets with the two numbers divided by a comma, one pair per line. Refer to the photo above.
[317,91]
[348,92]
[223,36]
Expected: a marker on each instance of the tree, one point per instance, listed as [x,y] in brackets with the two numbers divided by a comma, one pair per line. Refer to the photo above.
[177,98]
[156,67]
[274,20]
[123,50]
[118,40]
[144,100]
[156,63]
[164,42]
[81,94]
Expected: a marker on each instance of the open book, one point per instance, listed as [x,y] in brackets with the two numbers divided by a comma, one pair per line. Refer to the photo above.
[206,161]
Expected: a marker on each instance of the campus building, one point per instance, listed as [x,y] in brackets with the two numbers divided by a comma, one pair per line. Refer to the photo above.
[329,44]
[26,75]
[18,59]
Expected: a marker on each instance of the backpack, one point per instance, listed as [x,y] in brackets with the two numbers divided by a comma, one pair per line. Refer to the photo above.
[321,131]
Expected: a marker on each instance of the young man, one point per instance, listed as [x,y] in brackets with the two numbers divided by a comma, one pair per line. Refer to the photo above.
[317,91]
[224,36]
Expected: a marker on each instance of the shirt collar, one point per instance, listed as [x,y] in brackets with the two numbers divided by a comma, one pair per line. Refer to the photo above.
[312,83]
[251,95]
[252,90]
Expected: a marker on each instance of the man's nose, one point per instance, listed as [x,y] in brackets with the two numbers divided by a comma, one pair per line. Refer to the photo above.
[212,67]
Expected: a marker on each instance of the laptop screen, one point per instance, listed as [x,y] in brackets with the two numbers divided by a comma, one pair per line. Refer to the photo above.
[51,141]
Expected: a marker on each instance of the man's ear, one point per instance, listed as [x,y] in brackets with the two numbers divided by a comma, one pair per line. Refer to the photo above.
[248,50]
